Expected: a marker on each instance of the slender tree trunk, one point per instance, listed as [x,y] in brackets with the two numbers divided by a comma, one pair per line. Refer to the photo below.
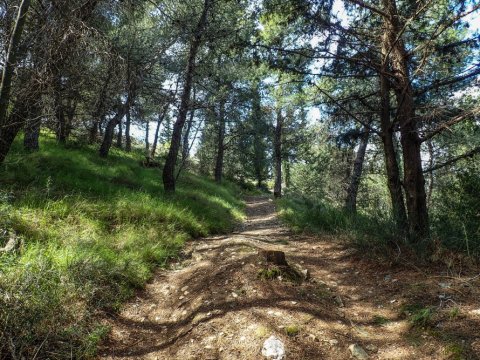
[186,137]
[414,181]
[9,130]
[277,149]
[258,146]
[70,113]
[220,144]
[169,168]
[128,139]
[119,134]
[99,114]
[147,141]
[32,128]
[110,129]
[186,143]
[59,110]
[352,191]
[157,130]
[288,176]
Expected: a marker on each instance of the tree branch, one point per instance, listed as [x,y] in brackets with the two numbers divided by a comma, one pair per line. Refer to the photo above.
[468,154]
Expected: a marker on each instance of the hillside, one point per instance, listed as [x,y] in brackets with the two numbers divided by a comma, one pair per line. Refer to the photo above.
[90,232]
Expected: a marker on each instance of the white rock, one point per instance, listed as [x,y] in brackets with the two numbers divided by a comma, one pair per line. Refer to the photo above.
[273,348]
[358,352]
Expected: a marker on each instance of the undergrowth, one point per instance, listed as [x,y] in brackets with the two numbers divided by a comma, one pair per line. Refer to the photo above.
[91,231]
[368,232]
[376,233]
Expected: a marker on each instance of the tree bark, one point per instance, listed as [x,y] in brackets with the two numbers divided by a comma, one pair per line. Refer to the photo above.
[277,149]
[9,130]
[387,136]
[169,168]
[352,191]
[414,181]
[110,129]
[220,144]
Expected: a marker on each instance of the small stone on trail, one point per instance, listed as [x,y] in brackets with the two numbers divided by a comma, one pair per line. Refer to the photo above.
[184,288]
[445,285]
[234,295]
[358,352]
[273,348]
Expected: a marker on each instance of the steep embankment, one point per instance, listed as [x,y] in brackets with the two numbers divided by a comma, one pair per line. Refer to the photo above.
[88,233]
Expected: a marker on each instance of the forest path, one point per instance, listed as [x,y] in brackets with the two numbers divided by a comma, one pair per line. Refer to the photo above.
[213,305]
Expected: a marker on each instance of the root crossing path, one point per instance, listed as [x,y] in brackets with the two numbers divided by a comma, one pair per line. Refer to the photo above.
[214,305]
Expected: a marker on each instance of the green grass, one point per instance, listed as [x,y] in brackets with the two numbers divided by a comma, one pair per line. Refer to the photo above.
[92,232]
[376,233]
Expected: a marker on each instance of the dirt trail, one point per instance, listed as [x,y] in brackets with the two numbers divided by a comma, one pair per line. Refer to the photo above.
[213,305]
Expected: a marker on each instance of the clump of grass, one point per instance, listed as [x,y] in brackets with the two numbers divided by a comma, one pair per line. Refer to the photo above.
[270,273]
[380,320]
[419,315]
[292,330]
[93,231]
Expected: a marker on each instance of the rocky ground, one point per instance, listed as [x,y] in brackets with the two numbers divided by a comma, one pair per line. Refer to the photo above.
[217,303]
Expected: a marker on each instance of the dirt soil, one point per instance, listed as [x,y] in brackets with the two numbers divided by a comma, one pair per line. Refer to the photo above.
[214,305]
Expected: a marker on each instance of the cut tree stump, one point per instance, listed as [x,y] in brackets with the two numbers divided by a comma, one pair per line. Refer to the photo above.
[274,257]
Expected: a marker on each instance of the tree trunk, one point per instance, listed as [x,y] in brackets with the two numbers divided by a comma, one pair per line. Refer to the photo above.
[110,129]
[288,176]
[147,141]
[186,143]
[32,129]
[220,144]
[258,137]
[59,110]
[186,137]
[128,139]
[414,181]
[277,149]
[99,114]
[169,168]
[387,135]
[119,133]
[9,130]
[157,130]
[352,191]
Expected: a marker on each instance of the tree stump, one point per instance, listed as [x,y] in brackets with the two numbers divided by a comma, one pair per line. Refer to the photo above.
[274,257]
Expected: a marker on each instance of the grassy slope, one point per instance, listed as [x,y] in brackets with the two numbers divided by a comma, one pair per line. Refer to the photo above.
[375,233]
[92,232]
